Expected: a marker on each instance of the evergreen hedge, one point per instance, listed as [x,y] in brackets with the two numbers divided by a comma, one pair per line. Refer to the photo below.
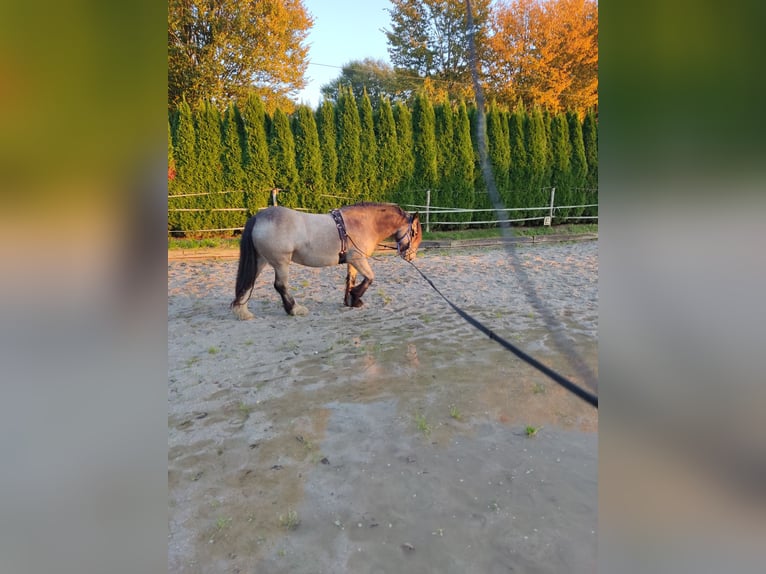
[223,166]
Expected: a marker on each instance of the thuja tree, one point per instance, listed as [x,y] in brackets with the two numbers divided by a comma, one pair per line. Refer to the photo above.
[257,168]
[368,146]
[444,135]
[233,174]
[282,156]
[561,165]
[578,168]
[404,137]
[207,122]
[463,192]
[499,151]
[590,142]
[389,163]
[171,170]
[325,120]
[518,181]
[348,145]
[308,158]
[424,145]
[185,181]
[536,145]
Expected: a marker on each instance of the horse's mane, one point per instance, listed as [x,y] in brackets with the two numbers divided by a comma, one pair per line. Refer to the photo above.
[393,206]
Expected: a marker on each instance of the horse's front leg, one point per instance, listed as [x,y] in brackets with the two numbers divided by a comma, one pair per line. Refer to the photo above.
[280,284]
[350,282]
[354,294]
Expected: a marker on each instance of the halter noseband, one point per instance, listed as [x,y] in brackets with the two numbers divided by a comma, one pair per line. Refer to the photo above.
[411,233]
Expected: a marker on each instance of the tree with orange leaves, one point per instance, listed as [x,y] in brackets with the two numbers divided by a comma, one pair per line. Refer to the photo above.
[544,53]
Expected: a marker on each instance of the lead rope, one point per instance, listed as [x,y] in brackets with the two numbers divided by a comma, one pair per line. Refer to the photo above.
[585,395]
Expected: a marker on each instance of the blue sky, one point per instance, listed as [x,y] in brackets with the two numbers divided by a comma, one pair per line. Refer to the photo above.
[343,30]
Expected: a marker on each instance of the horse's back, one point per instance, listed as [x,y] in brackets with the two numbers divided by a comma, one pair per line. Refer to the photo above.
[306,238]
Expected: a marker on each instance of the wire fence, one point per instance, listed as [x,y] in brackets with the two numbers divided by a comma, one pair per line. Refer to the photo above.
[548,213]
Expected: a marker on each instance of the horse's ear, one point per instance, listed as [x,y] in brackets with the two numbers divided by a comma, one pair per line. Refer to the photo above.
[415,217]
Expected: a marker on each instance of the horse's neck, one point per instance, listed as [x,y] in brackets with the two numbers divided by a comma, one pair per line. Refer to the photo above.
[387,224]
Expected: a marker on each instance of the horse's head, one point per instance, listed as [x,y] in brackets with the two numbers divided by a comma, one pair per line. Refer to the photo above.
[408,238]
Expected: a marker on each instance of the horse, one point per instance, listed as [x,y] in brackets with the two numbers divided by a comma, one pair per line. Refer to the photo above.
[278,235]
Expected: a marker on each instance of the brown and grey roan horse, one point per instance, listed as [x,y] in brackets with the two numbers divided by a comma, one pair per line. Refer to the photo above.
[277,236]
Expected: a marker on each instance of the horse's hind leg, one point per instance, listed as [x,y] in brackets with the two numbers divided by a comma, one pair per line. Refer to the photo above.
[280,284]
[239,305]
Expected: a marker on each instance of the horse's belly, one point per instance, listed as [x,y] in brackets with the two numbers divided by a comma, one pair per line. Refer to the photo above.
[315,259]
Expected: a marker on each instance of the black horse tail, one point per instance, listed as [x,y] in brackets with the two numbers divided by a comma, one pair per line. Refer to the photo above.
[247,263]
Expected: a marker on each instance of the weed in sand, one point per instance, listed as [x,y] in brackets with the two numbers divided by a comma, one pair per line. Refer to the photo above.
[222,523]
[422,423]
[289,521]
[531,431]
[455,413]
[383,295]
[213,350]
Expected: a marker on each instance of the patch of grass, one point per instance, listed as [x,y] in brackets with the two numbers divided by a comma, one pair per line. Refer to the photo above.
[538,389]
[222,523]
[213,350]
[571,229]
[244,409]
[455,413]
[531,431]
[289,521]
[202,243]
[423,426]
[383,295]
[191,361]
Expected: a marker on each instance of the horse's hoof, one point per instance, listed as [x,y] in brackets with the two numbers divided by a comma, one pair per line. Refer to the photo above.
[241,312]
[299,311]
[357,303]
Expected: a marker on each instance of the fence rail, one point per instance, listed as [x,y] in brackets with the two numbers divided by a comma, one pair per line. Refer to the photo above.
[430,210]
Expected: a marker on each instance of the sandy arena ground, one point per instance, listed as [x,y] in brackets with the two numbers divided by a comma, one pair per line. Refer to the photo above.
[389,438]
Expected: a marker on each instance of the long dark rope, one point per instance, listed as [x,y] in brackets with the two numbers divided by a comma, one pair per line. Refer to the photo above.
[563,346]
[587,396]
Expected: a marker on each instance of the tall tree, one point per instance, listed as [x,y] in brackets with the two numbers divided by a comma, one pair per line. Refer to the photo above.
[590,142]
[226,49]
[424,144]
[561,166]
[389,161]
[231,151]
[368,147]
[325,120]
[518,175]
[231,162]
[308,158]
[545,53]
[349,153]
[185,182]
[429,39]
[282,156]
[207,122]
[376,77]
[258,174]
[403,119]
[499,151]
[536,144]
[463,179]
[578,166]
[445,156]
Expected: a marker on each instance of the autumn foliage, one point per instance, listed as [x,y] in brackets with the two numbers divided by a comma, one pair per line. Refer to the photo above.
[544,53]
